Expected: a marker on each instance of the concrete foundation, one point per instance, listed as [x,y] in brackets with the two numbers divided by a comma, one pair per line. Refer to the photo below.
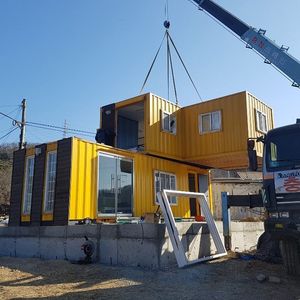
[145,245]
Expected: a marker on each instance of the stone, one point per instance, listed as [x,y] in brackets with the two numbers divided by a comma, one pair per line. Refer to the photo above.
[261,277]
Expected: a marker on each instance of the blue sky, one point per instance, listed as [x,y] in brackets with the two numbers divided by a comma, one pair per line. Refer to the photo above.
[69,57]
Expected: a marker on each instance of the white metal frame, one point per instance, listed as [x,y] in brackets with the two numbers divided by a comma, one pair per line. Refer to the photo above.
[258,113]
[170,116]
[180,255]
[200,127]
[154,185]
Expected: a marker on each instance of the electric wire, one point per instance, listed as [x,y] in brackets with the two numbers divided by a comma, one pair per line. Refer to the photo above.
[6,130]
[7,134]
[14,105]
[60,127]
[239,38]
[59,130]
[7,115]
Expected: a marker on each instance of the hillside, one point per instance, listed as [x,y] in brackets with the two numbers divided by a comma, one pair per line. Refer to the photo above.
[6,159]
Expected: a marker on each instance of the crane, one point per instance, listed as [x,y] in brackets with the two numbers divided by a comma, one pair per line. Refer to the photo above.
[281,159]
[256,39]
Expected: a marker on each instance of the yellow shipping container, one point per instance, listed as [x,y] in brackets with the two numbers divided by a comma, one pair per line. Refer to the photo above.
[85,180]
[92,180]
[212,133]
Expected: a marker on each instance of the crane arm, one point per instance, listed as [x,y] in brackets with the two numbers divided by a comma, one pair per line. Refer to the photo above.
[256,39]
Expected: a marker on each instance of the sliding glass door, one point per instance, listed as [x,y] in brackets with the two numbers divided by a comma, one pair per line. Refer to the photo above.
[115,186]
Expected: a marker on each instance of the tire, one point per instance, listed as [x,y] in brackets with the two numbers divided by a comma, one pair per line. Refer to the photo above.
[291,256]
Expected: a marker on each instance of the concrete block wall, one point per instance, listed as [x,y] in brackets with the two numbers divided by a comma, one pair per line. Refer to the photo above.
[144,245]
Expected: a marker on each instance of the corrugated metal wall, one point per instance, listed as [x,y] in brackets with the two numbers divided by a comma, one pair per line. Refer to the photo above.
[158,141]
[254,104]
[144,184]
[83,180]
[83,195]
[231,138]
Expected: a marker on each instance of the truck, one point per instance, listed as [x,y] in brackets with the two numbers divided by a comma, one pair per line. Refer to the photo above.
[281,155]
[281,191]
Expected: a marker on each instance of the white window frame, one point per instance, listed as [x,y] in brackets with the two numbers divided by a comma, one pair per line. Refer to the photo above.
[259,113]
[210,117]
[27,194]
[46,189]
[155,190]
[171,117]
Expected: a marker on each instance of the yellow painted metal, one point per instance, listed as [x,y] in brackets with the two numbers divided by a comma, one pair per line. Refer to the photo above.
[144,194]
[84,180]
[254,104]
[226,148]
[84,177]
[30,151]
[158,141]
[47,217]
[25,218]
[51,146]
[233,134]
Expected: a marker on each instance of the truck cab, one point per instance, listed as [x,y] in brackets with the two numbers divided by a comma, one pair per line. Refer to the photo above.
[281,191]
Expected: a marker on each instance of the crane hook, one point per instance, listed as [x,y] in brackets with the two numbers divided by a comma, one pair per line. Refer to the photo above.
[167,24]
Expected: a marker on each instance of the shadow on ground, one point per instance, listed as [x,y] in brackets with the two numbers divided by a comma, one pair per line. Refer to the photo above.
[220,279]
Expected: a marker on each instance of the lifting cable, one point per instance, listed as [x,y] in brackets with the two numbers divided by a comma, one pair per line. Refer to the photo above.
[152,64]
[169,42]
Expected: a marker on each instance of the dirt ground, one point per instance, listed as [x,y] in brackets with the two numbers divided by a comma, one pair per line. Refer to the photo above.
[219,279]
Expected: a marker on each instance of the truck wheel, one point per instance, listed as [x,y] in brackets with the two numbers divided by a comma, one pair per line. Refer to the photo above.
[291,256]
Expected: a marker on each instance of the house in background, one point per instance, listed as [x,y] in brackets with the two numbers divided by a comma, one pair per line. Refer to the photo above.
[145,144]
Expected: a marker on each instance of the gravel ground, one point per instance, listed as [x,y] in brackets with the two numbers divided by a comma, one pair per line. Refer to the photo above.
[219,279]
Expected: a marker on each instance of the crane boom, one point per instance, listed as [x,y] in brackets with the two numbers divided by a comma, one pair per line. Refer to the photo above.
[256,39]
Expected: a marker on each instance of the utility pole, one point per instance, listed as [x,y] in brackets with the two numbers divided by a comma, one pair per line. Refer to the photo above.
[65,129]
[22,142]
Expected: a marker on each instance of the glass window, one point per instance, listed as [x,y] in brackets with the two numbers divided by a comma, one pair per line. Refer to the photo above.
[283,151]
[261,121]
[210,122]
[168,122]
[165,181]
[28,185]
[50,182]
[115,185]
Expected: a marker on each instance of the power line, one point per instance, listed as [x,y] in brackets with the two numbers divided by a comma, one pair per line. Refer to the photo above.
[48,126]
[2,137]
[60,127]
[58,130]
[7,115]
[10,105]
